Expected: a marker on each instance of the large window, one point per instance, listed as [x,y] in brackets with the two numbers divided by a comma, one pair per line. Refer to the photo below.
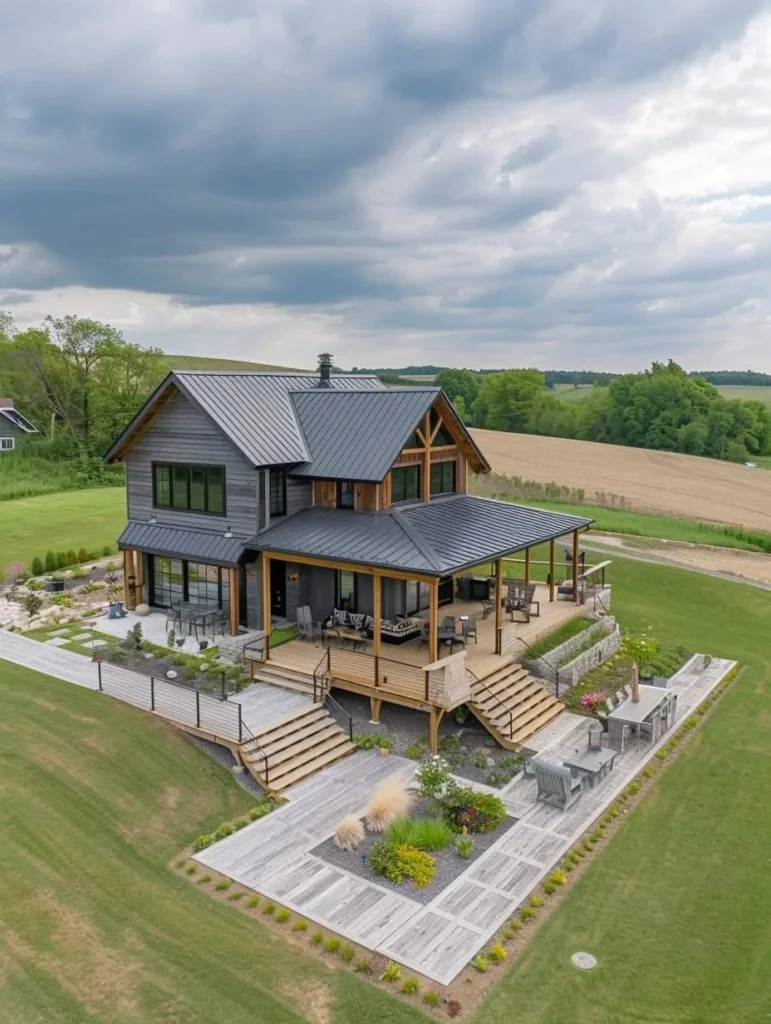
[443,437]
[345,597]
[277,492]
[7,443]
[405,484]
[443,477]
[345,494]
[189,488]
[174,580]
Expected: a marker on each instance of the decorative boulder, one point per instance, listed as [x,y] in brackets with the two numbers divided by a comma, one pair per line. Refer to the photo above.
[171,674]
[142,610]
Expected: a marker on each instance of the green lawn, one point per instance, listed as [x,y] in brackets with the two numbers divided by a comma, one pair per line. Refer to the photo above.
[677,907]
[212,363]
[95,927]
[68,519]
[746,392]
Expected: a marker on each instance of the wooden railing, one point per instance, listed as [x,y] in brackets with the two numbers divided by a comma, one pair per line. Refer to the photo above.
[380,673]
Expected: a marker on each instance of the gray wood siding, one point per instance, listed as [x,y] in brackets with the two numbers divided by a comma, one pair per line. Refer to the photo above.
[299,495]
[181,433]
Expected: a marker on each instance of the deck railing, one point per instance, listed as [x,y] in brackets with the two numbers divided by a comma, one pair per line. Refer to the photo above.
[497,700]
[380,673]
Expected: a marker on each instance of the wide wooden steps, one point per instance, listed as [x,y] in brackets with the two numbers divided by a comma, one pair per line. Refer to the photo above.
[288,751]
[512,705]
[287,678]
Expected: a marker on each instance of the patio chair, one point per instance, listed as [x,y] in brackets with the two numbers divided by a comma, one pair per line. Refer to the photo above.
[487,607]
[470,628]
[569,557]
[307,629]
[618,735]
[516,599]
[621,696]
[556,785]
[628,689]
[424,636]
[610,705]
[531,601]
[448,623]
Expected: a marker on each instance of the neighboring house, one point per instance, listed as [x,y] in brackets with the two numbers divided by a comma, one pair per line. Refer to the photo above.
[262,493]
[13,425]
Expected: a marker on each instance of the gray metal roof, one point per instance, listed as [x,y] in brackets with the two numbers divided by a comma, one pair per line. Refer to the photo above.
[357,435]
[175,543]
[253,409]
[15,417]
[436,538]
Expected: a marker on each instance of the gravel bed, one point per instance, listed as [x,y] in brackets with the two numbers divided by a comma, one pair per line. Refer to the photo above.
[461,745]
[449,865]
[223,756]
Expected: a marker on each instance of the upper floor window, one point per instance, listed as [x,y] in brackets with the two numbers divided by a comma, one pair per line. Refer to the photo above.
[345,494]
[277,492]
[442,437]
[405,484]
[189,488]
[443,477]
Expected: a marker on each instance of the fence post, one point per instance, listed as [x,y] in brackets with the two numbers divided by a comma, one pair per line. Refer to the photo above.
[240,727]
[152,693]
[425,675]
[198,709]
[557,682]
[99,672]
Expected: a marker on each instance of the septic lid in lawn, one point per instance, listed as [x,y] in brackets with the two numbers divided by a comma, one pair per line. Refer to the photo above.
[584,961]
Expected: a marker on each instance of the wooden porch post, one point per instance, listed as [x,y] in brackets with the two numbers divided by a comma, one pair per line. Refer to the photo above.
[128,573]
[377,613]
[140,575]
[527,569]
[433,620]
[498,596]
[575,566]
[266,601]
[551,569]
[235,613]
[434,721]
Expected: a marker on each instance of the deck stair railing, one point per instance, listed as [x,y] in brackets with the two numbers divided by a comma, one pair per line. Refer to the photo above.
[255,748]
[540,657]
[509,711]
[257,644]
[321,678]
[340,714]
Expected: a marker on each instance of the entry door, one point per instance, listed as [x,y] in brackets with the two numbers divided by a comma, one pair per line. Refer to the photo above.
[278,588]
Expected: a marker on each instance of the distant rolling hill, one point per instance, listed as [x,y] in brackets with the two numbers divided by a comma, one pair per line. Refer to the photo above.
[210,363]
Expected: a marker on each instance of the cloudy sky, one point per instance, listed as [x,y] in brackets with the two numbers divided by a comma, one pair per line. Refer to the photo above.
[565,183]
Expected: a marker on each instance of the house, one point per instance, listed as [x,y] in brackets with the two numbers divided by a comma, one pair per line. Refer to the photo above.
[331,497]
[13,425]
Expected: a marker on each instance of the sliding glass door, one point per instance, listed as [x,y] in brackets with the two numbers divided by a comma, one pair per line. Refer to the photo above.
[173,580]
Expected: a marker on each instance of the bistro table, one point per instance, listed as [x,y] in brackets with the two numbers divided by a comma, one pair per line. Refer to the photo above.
[592,764]
[196,614]
[654,701]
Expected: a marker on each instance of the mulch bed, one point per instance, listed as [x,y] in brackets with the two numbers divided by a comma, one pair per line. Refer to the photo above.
[449,865]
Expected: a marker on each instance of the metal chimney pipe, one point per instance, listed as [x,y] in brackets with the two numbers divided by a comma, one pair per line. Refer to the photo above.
[325,369]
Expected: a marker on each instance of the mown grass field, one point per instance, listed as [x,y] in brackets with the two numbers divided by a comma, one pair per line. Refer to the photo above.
[95,927]
[676,908]
[212,363]
[747,393]
[59,522]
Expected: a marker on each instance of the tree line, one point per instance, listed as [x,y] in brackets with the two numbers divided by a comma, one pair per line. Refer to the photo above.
[664,408]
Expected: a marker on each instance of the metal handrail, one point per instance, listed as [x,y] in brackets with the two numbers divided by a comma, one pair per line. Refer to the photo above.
[541,657]
[495,697]
[319,680]
[263,641]
[250,738]
[339,712]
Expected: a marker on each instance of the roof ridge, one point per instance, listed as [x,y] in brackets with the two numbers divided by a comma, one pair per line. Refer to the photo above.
[417,539]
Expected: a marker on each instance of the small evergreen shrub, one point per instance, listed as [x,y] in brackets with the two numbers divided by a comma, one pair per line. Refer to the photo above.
[347,953]
[106,550]
[191,869]
[72,558]
[300,926]
[252,902]
[263,808]
[431,998]
[316,938]
[83,555]
[535,901]
[393,972]
[204,840]
[363,966]
[332,945]
[236,896]
[50,562]
[410,987]
[223,884]
[527,914]
[38,566]
[203,880]
[225,830]
[61,560]
[269,909]
[513,928]
[549,887]
[283,916]
[497,953]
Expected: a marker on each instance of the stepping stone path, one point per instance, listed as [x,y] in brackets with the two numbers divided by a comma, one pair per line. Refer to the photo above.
[59,632]
[95,645]
[81,637]
[56,641]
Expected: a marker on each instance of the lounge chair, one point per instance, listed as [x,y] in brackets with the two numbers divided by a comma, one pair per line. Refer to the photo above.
[556,784]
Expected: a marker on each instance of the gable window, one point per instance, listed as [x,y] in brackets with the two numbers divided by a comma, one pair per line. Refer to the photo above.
[443,437]
[345,598]
[277,492]
[443,477]
[7,444]
[345,494]
[405,484]
[189,488]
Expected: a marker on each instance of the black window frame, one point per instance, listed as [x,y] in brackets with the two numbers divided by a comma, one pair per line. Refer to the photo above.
[346,494]
[277,491]
[399,494]
[175,468]
[444,438]
[355,576]
[442,466]
[7,444]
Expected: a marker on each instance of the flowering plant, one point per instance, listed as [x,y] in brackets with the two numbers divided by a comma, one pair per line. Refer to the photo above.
[433,776]
[591,701]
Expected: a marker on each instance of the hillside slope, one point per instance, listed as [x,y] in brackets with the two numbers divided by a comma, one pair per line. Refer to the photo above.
[211,363]
[664,483]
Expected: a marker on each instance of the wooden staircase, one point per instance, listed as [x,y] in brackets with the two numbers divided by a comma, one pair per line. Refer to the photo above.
[512,705]
[288,751]
[276,675]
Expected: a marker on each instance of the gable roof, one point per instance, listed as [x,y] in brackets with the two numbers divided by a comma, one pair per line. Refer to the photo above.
[435,538]
[357,435]
[12,415]
[252,409]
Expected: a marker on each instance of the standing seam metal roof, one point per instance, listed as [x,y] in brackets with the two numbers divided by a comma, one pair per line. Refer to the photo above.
[357,435]
[176,543]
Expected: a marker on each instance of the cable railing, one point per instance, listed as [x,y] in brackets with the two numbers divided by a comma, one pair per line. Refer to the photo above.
[250,741]
[497,700]
[321,678]
[340,714]
[540,657]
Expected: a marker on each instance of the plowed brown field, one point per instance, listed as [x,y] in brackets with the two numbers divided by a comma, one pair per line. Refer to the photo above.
[663,483]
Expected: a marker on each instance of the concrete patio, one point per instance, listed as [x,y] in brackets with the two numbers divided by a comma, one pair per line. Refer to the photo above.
[273,856]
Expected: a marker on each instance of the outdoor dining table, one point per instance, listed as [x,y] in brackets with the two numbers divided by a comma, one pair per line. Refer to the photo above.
[635,713]
[196,614]
[591,764]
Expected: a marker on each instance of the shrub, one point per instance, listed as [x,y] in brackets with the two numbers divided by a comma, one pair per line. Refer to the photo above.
[253,901]
[478,812]
[535,901]
[203,880]
[223,884]
[83,555]
[269,908]
[332,945]
[61,600]
[38,566]
[464,847]
[225,830]
[480,963]
[389,802]
[32,602]
[415,751]
[50,561]
[393,972]
[433,775]
[633,788]
[78,572]
[480,761]
[423,833]
[399,862]
[263,808]
[410,987]
[235,896]
[316,938]
[549,887]
[371,740]
[191,869]
[349,833]
[453,1008]
[35,584]
[497,953]
[283,916]
[300,926]
[527,914]
[363,966]
[61,560]
[71,557]
[431,998]
[347,953]
[513,928]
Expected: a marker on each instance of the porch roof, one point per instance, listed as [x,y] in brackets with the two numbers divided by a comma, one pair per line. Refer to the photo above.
[173,542]
[436,538]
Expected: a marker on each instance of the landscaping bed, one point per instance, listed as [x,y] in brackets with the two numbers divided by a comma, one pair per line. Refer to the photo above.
[449,865]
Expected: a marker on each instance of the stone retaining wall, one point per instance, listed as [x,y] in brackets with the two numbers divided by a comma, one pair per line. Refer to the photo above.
[571,671]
